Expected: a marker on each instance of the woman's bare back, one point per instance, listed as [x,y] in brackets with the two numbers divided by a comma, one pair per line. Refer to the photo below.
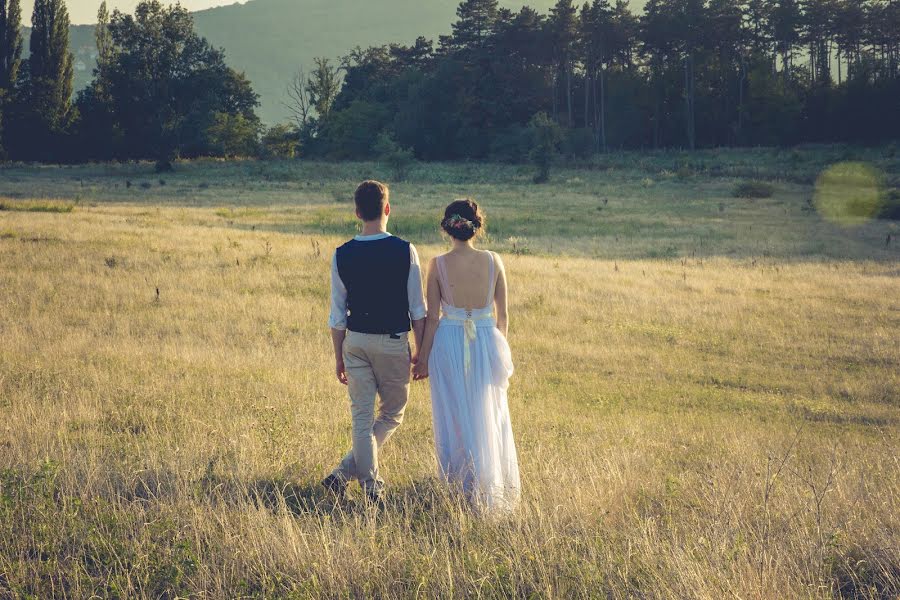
[468,275]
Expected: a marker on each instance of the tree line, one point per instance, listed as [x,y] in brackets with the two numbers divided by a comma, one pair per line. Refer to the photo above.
[159,90]
[684,73]
[506,85]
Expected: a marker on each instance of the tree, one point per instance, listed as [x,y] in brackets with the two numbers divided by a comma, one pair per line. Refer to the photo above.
[786,24]
[41,115]
[10,53]
[50,70]
[279,141]
[233,135]
[298,102]
[10,44]
[597,39]
[563,26]
[169,92]
[474,25]
[103,39]
[546,137]
[726,43]
[657,25]
[397,159]
[323,87]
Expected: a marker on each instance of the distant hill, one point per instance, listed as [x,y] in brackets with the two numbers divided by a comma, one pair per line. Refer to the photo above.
[270,39]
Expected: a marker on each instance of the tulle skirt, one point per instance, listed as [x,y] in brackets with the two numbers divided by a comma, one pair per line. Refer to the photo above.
[472,429]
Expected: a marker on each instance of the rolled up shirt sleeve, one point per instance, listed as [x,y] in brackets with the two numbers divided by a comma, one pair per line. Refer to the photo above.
[417,310]
[338,316]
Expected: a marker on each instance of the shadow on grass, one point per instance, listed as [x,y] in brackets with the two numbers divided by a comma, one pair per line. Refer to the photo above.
[296,498]
[421,504]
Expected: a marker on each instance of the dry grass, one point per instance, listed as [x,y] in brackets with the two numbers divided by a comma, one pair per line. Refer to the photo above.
[705,425]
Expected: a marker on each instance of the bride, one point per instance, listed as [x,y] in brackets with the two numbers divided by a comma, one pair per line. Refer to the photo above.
[467,358]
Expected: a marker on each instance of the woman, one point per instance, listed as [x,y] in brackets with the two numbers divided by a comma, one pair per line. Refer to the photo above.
[467,358]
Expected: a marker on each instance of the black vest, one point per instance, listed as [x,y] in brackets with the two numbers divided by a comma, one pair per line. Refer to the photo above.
[376,274]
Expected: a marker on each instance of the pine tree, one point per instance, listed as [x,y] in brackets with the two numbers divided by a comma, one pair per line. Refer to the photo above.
[50,64]
[103,39]
[10,53]
[563,24]
[475,23]
[10,44]
[786,22]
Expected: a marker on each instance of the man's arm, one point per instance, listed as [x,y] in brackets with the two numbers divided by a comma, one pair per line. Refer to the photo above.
[417,310]
[418,335]
[338,320]
[337,339]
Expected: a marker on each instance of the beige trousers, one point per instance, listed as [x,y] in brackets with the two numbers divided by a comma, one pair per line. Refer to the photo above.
[377,365]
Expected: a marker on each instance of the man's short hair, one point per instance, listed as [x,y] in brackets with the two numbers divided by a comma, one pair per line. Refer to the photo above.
[371,197]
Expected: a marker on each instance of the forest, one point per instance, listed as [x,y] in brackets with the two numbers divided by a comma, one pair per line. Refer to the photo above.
[502,85]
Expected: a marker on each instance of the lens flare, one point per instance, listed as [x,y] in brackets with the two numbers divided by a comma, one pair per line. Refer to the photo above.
[849,193]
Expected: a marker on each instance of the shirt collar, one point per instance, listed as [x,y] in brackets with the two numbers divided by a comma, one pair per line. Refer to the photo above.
[372,238]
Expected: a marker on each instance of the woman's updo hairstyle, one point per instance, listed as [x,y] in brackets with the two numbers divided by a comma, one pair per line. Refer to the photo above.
[463,219]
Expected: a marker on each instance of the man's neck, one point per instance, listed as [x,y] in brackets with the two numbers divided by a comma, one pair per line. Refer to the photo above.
[373,228]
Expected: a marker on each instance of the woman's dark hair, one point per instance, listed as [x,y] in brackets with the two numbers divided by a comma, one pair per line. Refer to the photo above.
[463,219]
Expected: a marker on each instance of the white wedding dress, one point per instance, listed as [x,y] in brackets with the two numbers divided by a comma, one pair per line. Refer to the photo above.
[469,369]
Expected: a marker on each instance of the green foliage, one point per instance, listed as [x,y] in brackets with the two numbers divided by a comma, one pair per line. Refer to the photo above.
[351,132]
[233,135]
[753,189]
[397,159]
[10,54]
[513,145]
[683,74]
[161,91]
[686,74]
[41,115]
[323,86]
[546,136]
[10,44]
[280,141]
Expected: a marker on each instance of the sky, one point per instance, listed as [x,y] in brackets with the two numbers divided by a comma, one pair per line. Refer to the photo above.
[85,11]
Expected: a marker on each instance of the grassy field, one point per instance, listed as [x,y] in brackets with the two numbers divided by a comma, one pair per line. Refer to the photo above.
[706,402]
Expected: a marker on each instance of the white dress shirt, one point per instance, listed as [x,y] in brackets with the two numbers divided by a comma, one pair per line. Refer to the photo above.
[417,312]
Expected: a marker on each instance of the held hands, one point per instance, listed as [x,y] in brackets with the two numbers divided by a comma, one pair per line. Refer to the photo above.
[420,369]
[341,371]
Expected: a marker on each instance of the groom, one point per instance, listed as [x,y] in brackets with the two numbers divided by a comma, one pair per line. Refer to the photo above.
[376,298]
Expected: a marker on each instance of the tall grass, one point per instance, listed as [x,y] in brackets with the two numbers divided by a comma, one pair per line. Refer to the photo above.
[709,423]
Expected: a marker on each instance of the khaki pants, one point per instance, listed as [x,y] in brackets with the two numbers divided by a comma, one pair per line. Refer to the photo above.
[376,365]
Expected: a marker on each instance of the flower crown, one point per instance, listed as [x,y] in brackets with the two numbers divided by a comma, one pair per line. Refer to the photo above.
[457,222]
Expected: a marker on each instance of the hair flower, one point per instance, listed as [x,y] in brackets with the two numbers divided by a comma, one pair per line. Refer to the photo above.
[457,222]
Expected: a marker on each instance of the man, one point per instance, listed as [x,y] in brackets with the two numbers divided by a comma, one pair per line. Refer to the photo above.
[376,298]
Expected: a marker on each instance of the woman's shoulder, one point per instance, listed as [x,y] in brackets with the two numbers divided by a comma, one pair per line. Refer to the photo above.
[495,256]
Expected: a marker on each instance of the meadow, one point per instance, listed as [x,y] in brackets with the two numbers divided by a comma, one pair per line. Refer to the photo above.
[706,400]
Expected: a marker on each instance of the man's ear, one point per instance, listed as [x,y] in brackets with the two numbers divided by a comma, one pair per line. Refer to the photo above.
[387,209]
[358,216]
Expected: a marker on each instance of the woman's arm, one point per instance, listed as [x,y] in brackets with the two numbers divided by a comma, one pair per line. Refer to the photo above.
[433,295]
[500,297]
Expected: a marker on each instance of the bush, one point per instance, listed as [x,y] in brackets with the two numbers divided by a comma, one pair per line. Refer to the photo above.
[397,159]
[753,189]
[233,135]
[280,141]
[546,137]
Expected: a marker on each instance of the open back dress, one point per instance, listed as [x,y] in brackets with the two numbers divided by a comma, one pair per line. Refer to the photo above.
[469,371]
